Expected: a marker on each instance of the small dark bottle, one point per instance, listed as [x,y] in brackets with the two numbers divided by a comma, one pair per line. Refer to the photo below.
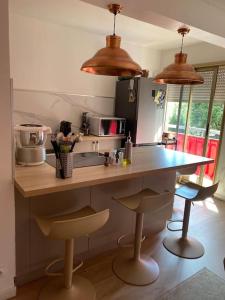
[106,155]
[65,127]
[85,124]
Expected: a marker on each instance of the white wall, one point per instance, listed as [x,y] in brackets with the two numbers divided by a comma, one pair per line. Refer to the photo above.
[197,54]
[7,230]
[47,56]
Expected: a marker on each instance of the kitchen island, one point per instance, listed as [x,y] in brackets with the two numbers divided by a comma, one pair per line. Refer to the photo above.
[38,191]
[41,180]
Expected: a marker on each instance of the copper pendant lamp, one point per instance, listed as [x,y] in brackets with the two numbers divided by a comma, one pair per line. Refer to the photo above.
[180,72]
[112,60]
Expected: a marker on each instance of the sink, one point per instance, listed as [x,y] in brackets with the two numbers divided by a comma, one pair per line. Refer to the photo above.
[80,160]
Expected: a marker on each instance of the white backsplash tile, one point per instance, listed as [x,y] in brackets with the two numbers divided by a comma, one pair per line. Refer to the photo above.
[49,108]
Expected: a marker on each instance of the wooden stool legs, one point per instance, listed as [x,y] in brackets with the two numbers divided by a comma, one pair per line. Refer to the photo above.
[187,211]
[70,287]
[138,235]
[185,246]
[131,267]
[68,263]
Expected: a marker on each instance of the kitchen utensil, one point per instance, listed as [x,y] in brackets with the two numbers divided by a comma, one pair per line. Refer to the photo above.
[73,145]
[58,159]
[65,163]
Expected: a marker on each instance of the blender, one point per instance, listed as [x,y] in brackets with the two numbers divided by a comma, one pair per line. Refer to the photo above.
[30,143]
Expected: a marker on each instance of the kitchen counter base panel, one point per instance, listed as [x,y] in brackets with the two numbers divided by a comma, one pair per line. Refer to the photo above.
[34,251]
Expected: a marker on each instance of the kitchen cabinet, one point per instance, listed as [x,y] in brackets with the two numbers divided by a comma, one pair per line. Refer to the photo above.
[97,143]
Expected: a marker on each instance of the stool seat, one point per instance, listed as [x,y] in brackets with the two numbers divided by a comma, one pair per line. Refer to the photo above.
[195,192]
[45,223]
[66,227]
[73,224]
[132,202]
[188,191]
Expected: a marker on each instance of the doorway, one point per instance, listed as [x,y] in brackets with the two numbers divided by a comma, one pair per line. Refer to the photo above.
[196,115]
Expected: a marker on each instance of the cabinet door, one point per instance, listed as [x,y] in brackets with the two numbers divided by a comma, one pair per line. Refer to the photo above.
[109,145]
[84,146]
[121,220]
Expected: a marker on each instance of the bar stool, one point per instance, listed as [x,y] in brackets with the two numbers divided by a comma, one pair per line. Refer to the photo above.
[179,174]
[131,267]
[185,246]
[67,227]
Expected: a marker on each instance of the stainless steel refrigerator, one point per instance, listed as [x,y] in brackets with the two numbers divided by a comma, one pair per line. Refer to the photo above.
[141,102]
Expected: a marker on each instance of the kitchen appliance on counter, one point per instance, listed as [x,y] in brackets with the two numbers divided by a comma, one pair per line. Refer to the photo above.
[141,102]
[30,143]
[85,124]
[106,126]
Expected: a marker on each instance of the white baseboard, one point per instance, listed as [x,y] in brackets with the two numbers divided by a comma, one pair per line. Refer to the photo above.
[220,196]
[8,293]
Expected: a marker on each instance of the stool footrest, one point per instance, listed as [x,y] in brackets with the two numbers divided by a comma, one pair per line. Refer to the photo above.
[54,262]
[56,274]
[78,266]
[171,222]
[120,239]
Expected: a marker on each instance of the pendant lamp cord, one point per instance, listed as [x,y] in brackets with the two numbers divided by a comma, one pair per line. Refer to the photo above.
[114,25]
[182,44]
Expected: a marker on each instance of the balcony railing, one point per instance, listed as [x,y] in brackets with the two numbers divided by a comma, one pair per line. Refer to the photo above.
[195,144]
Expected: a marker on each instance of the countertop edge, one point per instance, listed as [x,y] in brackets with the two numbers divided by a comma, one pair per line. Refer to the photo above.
[66,187]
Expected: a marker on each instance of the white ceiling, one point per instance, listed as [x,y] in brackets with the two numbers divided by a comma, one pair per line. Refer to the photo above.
[220,4]
[95,19]
[205,17]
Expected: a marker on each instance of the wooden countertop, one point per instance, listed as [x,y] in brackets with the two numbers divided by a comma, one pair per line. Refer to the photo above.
[40,180]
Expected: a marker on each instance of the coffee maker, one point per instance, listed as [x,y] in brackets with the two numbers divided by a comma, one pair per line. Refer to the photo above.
[30,143]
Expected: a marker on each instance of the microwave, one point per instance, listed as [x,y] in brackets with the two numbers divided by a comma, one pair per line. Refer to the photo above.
[106,126]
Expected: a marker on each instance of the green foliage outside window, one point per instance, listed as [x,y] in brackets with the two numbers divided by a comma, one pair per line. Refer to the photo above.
[199,115]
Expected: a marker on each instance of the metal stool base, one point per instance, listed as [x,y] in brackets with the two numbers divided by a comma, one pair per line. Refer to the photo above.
[81,289]
[184,247]
[135,272]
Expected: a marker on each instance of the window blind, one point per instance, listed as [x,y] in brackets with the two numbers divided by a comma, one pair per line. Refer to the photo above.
[199,92]
[220,86]
[202,92]
[173,93]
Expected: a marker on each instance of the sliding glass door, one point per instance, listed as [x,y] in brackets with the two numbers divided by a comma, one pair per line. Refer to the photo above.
[196,115]
[215,125]
[198,118]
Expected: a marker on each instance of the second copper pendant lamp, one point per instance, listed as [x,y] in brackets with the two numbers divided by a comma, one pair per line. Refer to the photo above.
[112,60]
[180,72]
